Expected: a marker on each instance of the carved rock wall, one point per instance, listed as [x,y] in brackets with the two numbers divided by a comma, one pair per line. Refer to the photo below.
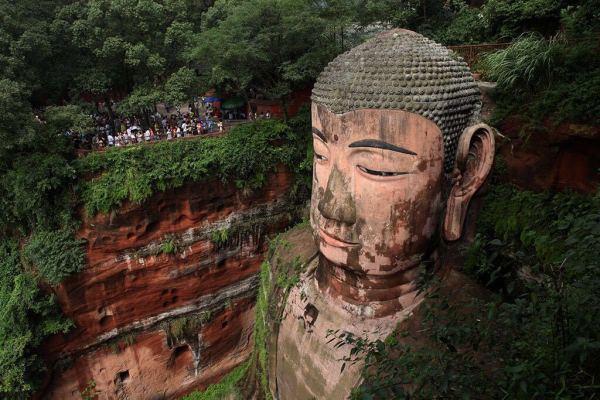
[165,304]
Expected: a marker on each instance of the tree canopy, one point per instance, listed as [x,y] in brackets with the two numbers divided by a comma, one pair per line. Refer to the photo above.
[59,57]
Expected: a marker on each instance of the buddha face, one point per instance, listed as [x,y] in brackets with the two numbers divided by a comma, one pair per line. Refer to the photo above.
[377,188]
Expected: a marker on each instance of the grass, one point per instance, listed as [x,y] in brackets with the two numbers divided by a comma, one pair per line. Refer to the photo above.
[225,387]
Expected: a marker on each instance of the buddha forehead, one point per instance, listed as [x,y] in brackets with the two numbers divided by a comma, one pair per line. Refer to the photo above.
[402,70]
[380,123]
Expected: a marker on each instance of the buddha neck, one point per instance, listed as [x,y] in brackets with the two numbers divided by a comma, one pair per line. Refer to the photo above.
[369,295]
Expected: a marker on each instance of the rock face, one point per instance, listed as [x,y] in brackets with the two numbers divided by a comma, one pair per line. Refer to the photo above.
[165,304]
[562,157]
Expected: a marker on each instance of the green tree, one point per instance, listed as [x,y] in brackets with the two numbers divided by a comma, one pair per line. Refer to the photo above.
[27,316]
[266,48]
[132,47]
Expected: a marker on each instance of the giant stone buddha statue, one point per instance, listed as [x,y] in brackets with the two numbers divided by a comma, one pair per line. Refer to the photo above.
[399,153]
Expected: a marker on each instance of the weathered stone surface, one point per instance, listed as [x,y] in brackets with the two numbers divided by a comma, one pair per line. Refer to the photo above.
[388,119]
[562,157]
[309,363]
[151,268]
[403,70]
[149,368]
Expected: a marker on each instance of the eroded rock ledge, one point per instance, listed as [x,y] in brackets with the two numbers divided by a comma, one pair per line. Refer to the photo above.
[166,303]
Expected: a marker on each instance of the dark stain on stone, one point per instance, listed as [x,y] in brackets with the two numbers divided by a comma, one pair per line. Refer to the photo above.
[337,202]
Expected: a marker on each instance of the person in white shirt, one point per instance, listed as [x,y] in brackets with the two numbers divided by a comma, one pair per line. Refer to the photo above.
[147,135]
[111,140]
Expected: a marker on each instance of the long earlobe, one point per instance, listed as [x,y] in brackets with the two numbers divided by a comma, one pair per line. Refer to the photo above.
[474,158]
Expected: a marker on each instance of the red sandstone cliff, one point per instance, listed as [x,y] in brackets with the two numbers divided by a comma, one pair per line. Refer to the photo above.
[562,157]
[165,304]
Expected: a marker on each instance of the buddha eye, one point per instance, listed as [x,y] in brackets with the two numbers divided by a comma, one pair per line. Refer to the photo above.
[320,157]
[379,173]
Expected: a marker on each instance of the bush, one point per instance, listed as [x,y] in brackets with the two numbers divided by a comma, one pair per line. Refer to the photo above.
[245,156]
[55,254]
[468,26]
[27,317]
[528,63]
[546,79]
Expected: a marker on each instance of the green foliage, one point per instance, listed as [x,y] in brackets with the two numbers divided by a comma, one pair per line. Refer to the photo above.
[155,50]
[286,279]
[301,126]
[16,124]
[120,343]
[225,387]
[182,85]
[219,237]
[270,301]
[131,45]
[35,177]
[468,25]
[71,116]
[55,254]
[261,331]
[142,98]
[540,79]
[528,63]
[182,327]
[170,245]
[129,339]
[246,155]
[27,316]
[508,19]
[270,47]
[89,392]
[458,22]
[34,192]
[167,247]
[186,328]
[534,336]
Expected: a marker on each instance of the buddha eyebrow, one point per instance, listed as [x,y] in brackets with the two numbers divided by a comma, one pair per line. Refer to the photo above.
[378,144]
[319,134]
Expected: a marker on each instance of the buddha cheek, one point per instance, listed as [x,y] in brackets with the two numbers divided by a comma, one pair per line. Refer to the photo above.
[378,234]
[420,224]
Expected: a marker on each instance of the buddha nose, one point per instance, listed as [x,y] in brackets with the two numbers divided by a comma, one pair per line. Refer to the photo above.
[337,202]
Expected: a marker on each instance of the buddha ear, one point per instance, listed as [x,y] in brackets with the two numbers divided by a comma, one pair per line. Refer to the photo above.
[474,158]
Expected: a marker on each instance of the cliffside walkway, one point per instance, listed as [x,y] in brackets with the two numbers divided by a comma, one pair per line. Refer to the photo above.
[214,133]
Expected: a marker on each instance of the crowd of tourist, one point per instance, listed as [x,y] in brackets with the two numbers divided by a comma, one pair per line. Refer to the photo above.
[123,130]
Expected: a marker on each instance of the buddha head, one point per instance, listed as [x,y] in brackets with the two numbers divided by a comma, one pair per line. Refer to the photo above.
[399,153]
